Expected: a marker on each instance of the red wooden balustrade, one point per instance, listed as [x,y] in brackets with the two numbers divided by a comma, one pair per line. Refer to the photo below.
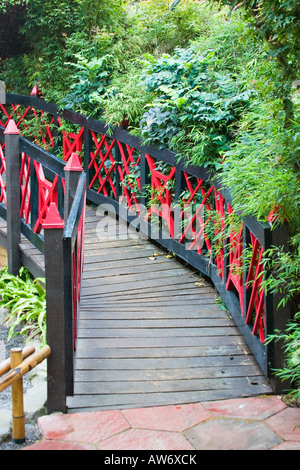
[60,240]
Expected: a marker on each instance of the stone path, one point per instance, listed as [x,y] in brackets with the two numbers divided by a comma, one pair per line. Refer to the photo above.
[240,424]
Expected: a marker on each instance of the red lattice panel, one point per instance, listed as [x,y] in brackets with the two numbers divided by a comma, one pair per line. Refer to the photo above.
[22,117]
[17,112]
[129,166]
[256,309]
[44,135]
[235,276]
[219,233]
[2,175]
[104,166]
[195,221]
[25,188]
[72,142]
[161,195]
[46,195]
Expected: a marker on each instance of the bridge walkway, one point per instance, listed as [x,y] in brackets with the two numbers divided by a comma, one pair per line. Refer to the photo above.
[151,331]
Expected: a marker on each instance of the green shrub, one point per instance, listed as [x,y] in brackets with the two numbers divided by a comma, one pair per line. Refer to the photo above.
[286,279]
[91,78]
[26,301]
[125,100]
[262,166]
[291,368]
[194,108]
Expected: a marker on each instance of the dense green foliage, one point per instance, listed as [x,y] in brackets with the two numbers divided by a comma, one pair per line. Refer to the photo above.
[277,21]
[291,370]
[215,80]
[194,106]
[26,301]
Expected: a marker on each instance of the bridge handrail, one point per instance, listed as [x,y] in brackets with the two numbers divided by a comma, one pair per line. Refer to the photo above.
[120,135]
[47,183]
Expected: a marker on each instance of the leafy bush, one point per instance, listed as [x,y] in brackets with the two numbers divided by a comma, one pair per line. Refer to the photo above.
[125,100]
[277,23]
[162,30]
[291,368]
[90,83]
[262,166]
[286,279]
[26,301]
[194,107]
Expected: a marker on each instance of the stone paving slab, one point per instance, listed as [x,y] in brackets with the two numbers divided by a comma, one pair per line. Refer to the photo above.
[241,424]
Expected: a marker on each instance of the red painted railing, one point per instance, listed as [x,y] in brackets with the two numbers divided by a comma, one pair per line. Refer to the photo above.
[182,207]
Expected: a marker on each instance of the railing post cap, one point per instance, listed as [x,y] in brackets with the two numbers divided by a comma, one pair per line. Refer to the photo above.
[35,91]
[74,163]
[53,218]
[11,128]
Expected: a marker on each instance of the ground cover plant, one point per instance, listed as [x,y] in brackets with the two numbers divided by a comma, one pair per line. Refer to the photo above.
[25,300]
[216,81]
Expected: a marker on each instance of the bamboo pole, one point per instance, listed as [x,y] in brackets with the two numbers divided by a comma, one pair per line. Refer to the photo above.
[17,399]
[26,366]
[19,368]
[6,366]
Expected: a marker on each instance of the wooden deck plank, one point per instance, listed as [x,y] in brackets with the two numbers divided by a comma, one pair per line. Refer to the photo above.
[184,341]
[158,323]
[135,312]
[166,386]
[156,332]
[177,358]
[121,375]
[96,402]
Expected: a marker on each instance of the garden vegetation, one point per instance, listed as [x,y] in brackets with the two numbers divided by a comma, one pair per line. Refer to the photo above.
[217,82]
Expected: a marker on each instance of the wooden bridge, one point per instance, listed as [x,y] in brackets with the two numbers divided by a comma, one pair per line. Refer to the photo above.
[134,312]
[150,331]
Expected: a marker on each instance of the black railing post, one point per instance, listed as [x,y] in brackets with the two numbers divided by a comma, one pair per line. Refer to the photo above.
[277,317]
[13,191]
[87,153]
[73,170]
[54,273]
[34,191]
[246,290]
[178,228]
[145,194]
